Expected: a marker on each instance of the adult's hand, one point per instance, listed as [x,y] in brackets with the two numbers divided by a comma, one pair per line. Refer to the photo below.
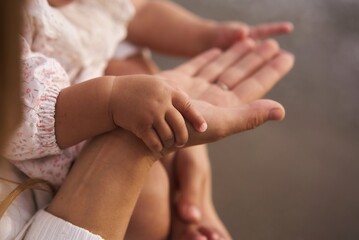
[194,215]
[238,76]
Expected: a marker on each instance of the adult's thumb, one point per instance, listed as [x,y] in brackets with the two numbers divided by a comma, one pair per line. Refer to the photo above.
[254,114]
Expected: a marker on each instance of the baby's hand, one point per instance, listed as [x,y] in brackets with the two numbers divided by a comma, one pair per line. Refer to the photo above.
[225,34]
[154,111]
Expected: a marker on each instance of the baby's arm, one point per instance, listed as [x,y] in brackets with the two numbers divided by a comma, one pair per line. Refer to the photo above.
[168,28]
[146,105]
[57,115]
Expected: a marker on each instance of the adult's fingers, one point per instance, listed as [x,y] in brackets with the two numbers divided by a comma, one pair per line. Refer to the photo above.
[193,234]
[190,174]
[254,114]
[257,85]
[189,201]
[214,69]
[194,65]
[234,120]
[249,63]
[270,29]
[211,233]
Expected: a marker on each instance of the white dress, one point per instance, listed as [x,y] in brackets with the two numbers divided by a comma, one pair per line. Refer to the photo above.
[61,47]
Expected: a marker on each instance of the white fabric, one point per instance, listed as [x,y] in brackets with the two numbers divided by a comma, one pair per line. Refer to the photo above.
[61,47]
[54,228]
[21,210]
[126,49]
[24,220]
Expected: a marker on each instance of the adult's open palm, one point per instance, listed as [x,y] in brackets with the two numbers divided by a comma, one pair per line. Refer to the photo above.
[228,84]
[243,73]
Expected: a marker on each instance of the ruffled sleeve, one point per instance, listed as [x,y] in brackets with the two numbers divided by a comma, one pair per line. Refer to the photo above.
[43,79]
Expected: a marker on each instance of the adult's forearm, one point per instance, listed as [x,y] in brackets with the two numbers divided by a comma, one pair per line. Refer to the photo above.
[82,111]
[168,28]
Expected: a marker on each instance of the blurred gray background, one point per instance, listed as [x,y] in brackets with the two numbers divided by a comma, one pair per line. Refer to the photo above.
[297,179]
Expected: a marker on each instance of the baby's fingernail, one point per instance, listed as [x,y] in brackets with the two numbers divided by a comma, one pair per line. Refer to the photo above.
[203,127]
[289,26]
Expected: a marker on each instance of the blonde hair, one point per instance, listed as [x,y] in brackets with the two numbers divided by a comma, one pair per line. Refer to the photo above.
[10,103]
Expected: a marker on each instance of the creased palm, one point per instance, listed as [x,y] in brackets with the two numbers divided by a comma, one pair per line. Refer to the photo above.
[248,71]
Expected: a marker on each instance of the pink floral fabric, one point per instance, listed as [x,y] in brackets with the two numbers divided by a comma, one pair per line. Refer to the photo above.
[61,47]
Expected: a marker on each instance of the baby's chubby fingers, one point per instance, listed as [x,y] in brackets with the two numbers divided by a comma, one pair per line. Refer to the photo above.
[165,133]
[152,141]
[178,125]
[183,104]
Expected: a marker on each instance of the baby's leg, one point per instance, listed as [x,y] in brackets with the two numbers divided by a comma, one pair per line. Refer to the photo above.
[102,188]
[232,120]
[151,217]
